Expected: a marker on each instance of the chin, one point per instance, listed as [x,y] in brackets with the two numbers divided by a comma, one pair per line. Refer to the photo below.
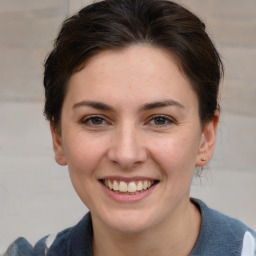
[128,227]
[129,222]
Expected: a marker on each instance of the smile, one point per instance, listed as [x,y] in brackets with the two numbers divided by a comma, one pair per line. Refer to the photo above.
[132,187]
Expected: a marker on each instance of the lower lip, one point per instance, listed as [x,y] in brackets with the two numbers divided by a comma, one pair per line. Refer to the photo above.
[126,198]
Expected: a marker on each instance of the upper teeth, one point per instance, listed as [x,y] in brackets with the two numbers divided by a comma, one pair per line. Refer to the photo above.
[130,187]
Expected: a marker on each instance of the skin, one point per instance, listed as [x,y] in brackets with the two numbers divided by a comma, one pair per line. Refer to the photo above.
[128,139]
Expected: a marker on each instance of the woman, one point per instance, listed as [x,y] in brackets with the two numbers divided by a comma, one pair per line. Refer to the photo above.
[131,92]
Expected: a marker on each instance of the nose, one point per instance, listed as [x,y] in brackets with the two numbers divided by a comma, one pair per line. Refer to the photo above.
[127,149]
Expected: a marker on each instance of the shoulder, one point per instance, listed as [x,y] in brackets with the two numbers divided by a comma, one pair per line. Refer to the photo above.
[220,234]
[20,247]
[59,240]
[71,241]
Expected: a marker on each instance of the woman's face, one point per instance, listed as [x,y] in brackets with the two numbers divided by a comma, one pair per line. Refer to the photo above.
[131,136]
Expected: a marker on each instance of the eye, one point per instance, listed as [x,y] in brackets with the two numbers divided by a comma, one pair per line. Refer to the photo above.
[94,121]
[160,120]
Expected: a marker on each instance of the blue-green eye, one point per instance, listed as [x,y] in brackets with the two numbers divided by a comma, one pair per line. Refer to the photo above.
[160,120]
[94,121]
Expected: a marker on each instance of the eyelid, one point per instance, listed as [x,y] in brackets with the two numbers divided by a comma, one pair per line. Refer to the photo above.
[91,116]
[85,119]
[171,120]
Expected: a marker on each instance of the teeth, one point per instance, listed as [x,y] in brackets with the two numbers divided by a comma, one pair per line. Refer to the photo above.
[110,185]
[131,187]
[115,186]
[139,186]
[123,186]
[145,185]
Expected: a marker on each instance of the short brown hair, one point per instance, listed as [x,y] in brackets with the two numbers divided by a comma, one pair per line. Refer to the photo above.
[116,24]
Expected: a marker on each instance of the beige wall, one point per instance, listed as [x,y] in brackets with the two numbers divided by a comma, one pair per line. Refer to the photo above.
[36,196]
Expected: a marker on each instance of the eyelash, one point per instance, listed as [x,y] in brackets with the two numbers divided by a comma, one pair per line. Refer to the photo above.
[89,120]
[164,118]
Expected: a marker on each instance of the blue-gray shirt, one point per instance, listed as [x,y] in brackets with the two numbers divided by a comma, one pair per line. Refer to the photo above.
[219,235]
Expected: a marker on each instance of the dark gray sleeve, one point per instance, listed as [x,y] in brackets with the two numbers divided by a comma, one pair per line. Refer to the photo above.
[20,247]
[40,247]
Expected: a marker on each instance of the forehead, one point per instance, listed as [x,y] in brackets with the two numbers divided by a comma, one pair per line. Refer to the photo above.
[138,72]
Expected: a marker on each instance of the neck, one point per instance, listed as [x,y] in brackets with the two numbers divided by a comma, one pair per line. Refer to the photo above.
[174,236]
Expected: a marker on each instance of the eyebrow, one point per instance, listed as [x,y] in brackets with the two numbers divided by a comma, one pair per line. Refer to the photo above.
[143,108]
[160,104]
[94,104]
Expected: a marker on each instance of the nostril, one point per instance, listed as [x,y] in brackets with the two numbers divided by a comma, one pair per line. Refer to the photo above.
[126,161]
[126,148]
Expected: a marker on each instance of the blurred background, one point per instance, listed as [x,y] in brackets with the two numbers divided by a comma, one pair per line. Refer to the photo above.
[36,195]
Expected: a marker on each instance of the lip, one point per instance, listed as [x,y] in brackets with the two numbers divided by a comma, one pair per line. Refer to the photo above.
[127,198]
[127,179]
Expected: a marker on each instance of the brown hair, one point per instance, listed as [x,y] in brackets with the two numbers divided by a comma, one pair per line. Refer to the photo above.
[116,24]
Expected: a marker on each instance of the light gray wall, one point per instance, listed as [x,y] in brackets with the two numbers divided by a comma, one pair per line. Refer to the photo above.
[36,196]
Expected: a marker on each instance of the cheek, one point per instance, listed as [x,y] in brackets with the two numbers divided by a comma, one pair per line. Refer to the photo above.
[84,154]
[176,154]
[83,158]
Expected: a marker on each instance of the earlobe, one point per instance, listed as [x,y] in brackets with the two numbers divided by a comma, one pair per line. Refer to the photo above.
[207,143]
[57,146]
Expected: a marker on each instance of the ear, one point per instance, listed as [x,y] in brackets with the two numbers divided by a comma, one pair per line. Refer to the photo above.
[57,146]
[208,139]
